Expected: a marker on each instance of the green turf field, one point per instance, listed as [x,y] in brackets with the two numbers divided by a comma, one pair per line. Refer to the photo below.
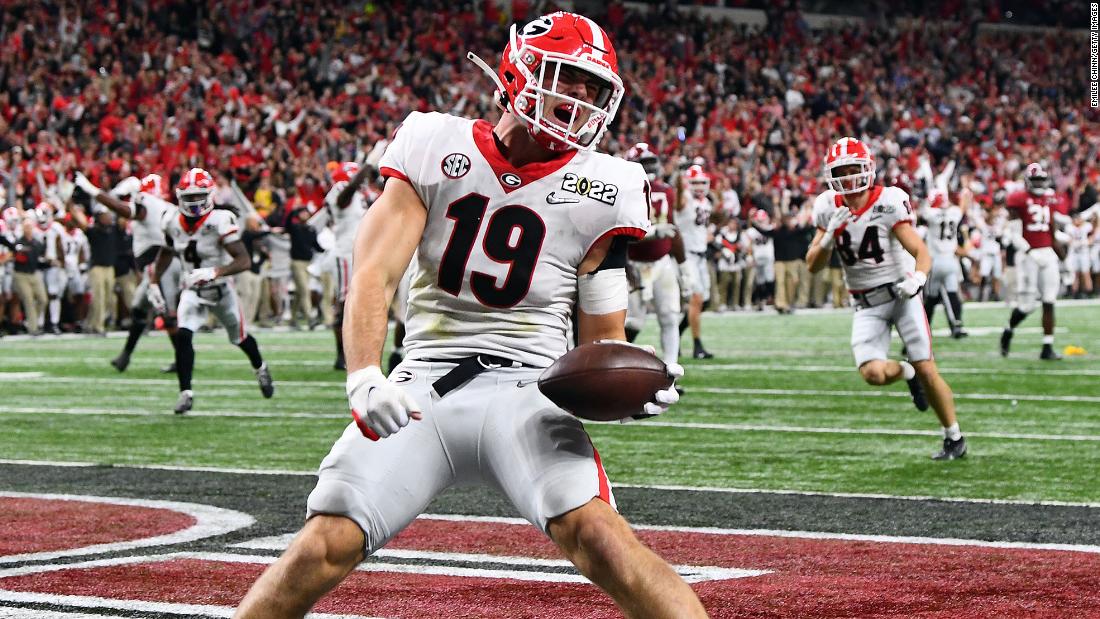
[781,408]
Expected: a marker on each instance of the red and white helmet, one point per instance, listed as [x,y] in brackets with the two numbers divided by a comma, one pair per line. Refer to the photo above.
[849,152]
[43,215]
[698,181]
[542,71]
[1037,181]
[195,193]
[344,172]
[640,153]
[154,185]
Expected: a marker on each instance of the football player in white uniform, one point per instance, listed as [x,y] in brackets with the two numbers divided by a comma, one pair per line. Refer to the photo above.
[692,219]
[344,207]
[147,207]
[1078,258]
[206,239]
[871,227]
[55,277]
[512,225]
[944,221]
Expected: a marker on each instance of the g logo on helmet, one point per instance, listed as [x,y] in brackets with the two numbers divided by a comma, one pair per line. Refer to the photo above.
[541,25]
[455,165]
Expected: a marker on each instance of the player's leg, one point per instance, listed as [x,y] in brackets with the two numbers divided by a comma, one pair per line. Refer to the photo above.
[695,310]
[666,302]
[952,300]
[1027,292]
[55,286]
[544,462]
[871,349]
[1049,284]
[191,316]
[227,309]
[341,270]
[367,492]
[139,320]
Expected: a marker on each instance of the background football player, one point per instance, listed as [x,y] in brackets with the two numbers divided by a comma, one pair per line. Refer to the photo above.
[512,226]
[945,225]
[693,216]
[1038,278]
[205,239]
[870,226]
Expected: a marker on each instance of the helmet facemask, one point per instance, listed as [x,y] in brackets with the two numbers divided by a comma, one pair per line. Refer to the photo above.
[850,183]
[195,202]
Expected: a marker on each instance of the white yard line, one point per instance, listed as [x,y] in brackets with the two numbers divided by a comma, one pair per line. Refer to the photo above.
[816,393]
[164,608]
[850,369]
[737,427]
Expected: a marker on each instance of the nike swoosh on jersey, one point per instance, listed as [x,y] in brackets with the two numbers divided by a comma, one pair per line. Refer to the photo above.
[553,199]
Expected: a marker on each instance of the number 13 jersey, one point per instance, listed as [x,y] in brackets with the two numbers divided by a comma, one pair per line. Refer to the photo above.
[869,252]
[496,268]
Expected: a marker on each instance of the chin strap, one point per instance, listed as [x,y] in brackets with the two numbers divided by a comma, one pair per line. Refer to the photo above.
[484,66]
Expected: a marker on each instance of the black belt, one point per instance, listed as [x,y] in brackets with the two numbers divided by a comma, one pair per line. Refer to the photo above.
[872,297]
[466,368]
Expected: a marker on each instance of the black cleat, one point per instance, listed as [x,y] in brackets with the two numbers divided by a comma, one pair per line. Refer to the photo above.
[917,391]
[1006,341]
[169,369]
[339,364]
[184,403]
[1048,353]
[952,450]
[121,362]
[959,333]
[701,354]
[263,376]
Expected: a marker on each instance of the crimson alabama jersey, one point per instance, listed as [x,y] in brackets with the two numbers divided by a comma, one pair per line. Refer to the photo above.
[345,221]
[1037,213]
[651,249]
[869,252]
[496,268]
[202,244]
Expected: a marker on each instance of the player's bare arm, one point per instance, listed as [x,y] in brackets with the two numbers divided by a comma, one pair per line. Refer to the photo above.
[913,244]
[817,257]
[387,238]
[343,199]
[122,208]
[241,260]
[164,259]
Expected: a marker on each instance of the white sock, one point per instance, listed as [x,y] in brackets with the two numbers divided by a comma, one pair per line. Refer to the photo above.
[670,344]
[1048,339]
[907,370]
[953,432]
[55,311]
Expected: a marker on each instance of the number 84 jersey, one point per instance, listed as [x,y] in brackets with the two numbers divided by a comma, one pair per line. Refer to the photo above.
[202,243]
[496,268]
[869,252]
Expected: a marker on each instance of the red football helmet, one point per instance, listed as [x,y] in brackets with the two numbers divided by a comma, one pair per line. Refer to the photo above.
[560,77]
[154,185]
[849,152]
[195,193]
[640,153]
[1037,181]
[345,171]
[698,181]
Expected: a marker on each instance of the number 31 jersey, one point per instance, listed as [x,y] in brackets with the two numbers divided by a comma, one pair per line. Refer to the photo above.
[496,268]
[869,252]
[202,244]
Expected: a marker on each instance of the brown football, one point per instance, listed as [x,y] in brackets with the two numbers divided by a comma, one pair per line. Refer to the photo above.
[605,381]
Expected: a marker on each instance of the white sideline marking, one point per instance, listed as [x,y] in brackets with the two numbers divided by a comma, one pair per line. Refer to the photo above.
[896,394]
[844,495]
[5,376]
[83,601]
[142,412]
[887,539]
[210,521]
[846,369]
[876,431]
[691,573]
[32,613]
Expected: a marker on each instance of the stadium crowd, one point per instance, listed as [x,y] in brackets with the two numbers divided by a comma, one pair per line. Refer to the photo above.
[270,93]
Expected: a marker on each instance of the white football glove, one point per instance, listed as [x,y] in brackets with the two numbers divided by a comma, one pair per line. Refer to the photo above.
[912,283]
[85,185]
[156,299]
[200,277]
[689,279]
[664,231]
[661,399]
[835,222]
[380,408]
[127,186]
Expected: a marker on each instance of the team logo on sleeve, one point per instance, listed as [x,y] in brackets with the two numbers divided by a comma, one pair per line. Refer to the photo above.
[455,165]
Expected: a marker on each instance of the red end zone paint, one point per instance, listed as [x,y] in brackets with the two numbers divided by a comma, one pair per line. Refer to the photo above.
[812,578]
[42,525]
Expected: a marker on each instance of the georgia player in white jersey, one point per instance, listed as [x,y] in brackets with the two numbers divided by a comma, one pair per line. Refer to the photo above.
[147,207]
[871,227]
[511,225]
[1078,258]
[944,221]
[692,219]
[344,207]
[55,277]
[209,243]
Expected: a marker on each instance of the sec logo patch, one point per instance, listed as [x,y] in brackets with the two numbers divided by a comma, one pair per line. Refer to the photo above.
[455,165]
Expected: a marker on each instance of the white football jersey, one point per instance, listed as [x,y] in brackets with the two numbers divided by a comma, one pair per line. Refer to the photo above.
[692,220]
[943,228]
[202,244]
[869,252]
[496,268]
[1079,237]
[75,244]
[149,232]
[345,221]
[54,232]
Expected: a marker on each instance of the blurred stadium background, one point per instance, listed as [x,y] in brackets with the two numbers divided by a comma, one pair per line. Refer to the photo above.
[776,433]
